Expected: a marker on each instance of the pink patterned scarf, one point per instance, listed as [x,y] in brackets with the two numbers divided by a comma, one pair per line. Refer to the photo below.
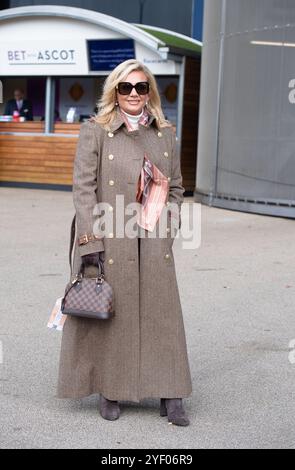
[152,188]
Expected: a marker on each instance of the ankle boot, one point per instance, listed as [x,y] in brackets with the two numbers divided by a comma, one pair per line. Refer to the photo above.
[173,408]
[109,409]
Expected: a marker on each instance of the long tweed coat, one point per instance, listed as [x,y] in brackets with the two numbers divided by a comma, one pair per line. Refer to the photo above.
[141,352]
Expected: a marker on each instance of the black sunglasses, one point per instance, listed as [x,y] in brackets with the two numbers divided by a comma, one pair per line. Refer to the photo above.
[125,88]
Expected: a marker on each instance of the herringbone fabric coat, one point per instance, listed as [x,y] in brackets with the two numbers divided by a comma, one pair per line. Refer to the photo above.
[141,352]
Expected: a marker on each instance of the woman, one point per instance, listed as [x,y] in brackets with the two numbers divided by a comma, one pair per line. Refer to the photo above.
[141,352]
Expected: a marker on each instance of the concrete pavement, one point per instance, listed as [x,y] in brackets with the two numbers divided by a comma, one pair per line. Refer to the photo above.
[238,297]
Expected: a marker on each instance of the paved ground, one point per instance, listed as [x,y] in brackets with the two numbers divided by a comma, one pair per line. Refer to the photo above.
[238,296]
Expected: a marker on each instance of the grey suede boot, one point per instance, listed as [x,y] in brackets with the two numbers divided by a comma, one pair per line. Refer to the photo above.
[109,409]
[173,408]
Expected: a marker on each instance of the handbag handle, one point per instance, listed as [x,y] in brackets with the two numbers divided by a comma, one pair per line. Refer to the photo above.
[100,269]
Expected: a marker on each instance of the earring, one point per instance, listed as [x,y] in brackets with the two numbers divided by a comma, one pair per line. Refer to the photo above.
[116,103]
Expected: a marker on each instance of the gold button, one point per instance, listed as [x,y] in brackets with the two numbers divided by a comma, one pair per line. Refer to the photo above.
[111,261]
[111,157]
[167,256]
[167,203]
[169,179]
[111,235]
[160,134]
[168,230]
[166,154]
[111,208]
[110,134]
[111,182]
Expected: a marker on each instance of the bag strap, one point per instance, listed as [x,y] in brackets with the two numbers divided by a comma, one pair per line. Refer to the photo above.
[72,240]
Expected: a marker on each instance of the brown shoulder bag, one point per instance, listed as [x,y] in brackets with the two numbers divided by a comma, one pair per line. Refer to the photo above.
[85,296]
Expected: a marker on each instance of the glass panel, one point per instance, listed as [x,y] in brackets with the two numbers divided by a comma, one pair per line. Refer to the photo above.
[257,114]
[23,96]
[212,20]
[247,15]
[79,93]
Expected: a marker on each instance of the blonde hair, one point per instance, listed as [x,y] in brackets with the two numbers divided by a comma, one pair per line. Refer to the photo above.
[107,103]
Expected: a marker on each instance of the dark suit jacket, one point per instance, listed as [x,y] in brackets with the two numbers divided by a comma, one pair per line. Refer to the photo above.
[25,111]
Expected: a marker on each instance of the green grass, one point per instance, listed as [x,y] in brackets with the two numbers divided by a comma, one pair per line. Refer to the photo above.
[174,41]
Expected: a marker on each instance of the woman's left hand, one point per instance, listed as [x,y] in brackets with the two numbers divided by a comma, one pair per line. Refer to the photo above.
[93,259]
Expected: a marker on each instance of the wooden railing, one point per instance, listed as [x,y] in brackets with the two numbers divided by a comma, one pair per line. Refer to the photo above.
[37,159]
[66,128]
[39,127]
[28,126]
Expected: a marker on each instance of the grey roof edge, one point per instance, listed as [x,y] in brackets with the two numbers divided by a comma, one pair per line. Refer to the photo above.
[90,16]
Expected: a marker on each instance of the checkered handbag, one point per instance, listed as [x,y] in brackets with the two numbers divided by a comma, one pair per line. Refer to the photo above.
[88,297]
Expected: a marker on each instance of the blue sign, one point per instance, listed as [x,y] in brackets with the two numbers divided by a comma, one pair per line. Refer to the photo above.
[106,54]
[197,25]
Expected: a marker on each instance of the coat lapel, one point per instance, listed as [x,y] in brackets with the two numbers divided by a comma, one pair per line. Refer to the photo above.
[138,144]
[119,121]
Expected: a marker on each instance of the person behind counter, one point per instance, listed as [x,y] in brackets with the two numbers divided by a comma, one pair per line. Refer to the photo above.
[23,106]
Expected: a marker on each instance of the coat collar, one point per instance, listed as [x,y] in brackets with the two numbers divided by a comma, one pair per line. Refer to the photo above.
[119,121]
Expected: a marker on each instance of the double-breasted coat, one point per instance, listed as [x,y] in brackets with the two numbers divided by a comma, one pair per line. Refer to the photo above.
[141,352]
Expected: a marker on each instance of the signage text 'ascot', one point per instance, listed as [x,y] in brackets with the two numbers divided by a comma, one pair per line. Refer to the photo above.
[46,56]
